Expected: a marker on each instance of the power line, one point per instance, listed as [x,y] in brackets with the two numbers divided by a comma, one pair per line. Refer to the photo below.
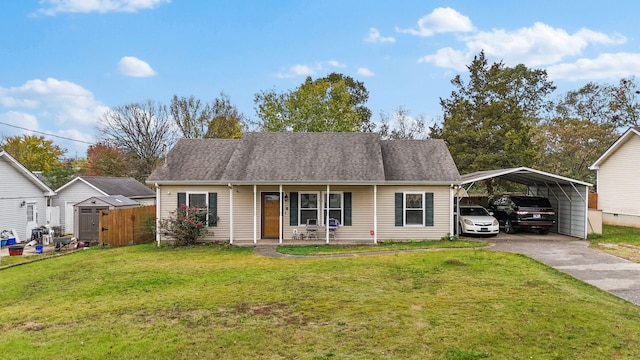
[47,134]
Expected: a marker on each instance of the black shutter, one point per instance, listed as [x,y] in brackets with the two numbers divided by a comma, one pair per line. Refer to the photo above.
[293,209]
[347,209]
[428,209]
[213,209]
[182,200]
[399,209]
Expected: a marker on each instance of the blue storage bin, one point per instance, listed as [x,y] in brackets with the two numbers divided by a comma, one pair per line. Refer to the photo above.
[3,242]
[11,241]
[39,249]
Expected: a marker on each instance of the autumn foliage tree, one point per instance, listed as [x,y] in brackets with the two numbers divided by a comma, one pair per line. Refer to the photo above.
[104,160]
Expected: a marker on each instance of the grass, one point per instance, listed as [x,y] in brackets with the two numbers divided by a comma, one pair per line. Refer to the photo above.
[215,302]
[620,241]
[328,249]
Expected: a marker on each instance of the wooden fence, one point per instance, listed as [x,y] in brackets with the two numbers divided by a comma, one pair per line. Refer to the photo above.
[127,226]
[593,200]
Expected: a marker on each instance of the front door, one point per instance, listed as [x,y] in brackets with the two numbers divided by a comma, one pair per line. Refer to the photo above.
[32,218]
[270,215]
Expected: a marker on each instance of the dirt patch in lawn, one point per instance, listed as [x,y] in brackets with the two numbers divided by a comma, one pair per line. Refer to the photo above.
[625,251]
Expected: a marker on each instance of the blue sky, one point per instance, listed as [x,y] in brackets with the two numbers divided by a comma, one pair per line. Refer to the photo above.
[64,62]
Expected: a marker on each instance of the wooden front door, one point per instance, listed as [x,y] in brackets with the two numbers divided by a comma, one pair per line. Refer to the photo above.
[270,215]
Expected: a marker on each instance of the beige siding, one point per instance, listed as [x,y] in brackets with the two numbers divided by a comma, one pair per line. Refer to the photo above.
[362,211]
[618,180]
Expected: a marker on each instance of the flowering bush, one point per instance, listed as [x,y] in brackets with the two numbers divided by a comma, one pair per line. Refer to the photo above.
[186,225]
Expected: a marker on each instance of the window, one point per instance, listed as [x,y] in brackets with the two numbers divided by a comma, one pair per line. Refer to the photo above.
[414,209]
[335,207]
[197,200]
[204,201]
[308,207]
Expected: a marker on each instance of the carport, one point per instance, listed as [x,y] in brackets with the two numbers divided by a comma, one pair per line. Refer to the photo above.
[569,197]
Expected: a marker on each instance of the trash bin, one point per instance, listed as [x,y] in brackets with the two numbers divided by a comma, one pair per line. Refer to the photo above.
[15,250]
[39,249]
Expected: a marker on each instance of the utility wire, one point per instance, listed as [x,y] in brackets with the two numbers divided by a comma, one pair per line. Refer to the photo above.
[47,134]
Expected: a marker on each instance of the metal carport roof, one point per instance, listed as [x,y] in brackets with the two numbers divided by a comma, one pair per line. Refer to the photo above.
[570,195]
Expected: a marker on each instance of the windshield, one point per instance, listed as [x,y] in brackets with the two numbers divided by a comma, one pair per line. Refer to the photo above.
[474,211]
[529,201]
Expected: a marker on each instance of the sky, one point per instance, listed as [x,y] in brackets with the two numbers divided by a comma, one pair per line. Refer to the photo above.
[63,63]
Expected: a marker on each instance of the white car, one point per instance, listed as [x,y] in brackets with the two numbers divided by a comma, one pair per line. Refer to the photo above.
[475,219]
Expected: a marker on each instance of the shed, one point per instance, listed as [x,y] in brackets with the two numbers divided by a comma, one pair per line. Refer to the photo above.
[569,197]
[87,214]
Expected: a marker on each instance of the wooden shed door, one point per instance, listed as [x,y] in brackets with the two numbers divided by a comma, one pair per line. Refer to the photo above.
[270,215]
[89,223]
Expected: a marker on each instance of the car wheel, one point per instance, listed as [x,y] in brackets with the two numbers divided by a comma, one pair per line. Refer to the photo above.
[461,232]
[508,228]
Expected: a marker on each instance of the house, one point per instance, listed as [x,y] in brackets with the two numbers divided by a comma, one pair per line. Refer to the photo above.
[88,214]
[267,185]
[83,187]
[23,198]
[617,176]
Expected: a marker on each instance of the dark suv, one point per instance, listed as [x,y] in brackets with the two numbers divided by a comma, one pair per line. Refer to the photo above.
[515,212]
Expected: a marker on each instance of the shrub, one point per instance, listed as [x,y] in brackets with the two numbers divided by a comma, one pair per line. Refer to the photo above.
[186,225]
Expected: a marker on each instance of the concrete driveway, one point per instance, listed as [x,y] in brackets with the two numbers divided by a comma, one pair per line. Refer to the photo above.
[618,276]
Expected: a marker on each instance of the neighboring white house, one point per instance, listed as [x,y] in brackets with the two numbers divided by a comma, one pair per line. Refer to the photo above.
[84,187]
[617,184]
[23,198]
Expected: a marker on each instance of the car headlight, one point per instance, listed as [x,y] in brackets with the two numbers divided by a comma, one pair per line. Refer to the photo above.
[495,222]
[468,222]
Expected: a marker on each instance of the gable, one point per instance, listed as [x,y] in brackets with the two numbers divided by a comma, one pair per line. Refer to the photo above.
[632,134]
[16,177]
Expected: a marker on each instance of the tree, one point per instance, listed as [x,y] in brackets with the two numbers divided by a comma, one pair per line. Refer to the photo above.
[196,119]
[403,125]
[142,131]
[335,103]
[490,121]
[34,152]
[38,154]
[104,160]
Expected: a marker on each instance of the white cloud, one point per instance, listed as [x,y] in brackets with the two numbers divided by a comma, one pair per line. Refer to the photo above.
[336,64]
[134,67]
[53,7]
[53,106]
[440,20]
[374,36]
[297,70]
[605,66]
[365,72]
[533,46]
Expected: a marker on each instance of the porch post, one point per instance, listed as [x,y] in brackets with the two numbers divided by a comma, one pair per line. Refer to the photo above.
[255,215]
[280,217]
[326,218]
[375,214]
[230,214]
[158,193]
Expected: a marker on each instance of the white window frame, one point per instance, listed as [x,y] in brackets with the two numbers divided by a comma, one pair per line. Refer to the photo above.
[206,200]
[341,208]
[317,208]
[405,208]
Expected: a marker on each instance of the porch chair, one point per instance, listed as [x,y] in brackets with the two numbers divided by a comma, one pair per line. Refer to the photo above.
[333,226]
[312,229]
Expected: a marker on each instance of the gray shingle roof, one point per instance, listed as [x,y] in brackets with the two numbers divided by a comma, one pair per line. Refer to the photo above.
[128,187]
[307,158]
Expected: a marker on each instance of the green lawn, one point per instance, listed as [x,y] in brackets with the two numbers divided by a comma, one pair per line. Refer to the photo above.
[621,241]
[142,302]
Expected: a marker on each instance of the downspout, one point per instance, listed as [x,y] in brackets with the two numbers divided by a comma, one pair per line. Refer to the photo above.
[157,213]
